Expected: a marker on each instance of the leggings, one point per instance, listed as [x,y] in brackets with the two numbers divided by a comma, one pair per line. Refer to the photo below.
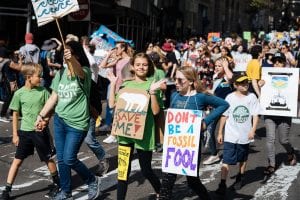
[145,158]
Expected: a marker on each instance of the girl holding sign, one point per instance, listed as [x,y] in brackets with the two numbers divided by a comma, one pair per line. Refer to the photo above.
[143,80]
[190,95]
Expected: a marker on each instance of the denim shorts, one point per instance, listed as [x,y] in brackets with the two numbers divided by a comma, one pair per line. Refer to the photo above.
[28,140]
[234,153]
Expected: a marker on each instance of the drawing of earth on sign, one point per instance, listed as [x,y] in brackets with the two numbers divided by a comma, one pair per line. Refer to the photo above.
[139,101]
[279,82]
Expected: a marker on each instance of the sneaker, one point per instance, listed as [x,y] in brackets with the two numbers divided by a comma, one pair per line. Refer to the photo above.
[102,167]
[94,189]
[4,119]
[211,160]
[5,195]
[61,195]
[98,121]
[105,128]
[221,189]
[110,139]
[52,192]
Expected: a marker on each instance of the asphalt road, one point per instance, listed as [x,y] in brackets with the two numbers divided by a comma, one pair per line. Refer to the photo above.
[33,178]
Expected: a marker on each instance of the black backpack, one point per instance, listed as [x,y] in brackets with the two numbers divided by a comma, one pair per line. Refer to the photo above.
[94,98]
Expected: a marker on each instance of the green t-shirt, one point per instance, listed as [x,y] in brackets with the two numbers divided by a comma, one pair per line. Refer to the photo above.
[159,75]
[29,102]
[148,142]
[72,105]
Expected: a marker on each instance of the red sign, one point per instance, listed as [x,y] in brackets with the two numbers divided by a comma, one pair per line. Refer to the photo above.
[83,14]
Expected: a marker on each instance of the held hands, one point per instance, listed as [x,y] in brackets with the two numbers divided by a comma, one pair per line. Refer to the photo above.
[251,135]
[40,124]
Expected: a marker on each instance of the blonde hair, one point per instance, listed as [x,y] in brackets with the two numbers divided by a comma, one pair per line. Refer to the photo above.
[191,74]
[30,69]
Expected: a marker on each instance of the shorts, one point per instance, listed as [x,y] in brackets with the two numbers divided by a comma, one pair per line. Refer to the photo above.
[234,153]
[30,139]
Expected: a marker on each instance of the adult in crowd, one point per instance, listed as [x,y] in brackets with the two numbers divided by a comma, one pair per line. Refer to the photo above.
[70,94]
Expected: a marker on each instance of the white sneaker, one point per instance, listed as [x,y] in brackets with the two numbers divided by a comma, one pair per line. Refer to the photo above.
[211,160]
[4,119]
[110,139]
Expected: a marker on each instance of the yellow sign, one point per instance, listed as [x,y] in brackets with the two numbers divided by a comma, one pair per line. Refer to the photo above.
[123,162]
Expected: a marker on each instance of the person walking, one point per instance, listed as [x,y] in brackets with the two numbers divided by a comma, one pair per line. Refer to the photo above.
[70,94]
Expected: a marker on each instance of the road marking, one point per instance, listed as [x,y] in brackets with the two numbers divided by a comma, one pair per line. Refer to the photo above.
[277,186]
[23,185]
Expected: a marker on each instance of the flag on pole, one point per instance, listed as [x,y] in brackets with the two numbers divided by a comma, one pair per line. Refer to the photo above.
[48,10]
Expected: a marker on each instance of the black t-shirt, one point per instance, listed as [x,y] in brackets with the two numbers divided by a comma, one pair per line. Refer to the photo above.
[170,57]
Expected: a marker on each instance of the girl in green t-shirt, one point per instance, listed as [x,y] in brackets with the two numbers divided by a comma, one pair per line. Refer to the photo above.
[143,80]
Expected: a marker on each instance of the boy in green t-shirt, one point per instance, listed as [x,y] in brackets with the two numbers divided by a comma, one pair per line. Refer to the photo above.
[29,100]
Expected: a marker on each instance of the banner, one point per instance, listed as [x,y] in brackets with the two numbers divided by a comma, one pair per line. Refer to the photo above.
[130,113]
[47,10]
[181,142]
[279,95]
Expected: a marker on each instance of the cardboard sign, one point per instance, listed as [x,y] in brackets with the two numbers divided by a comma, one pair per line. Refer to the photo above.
[46,11]
[130,113]
[181,142]
[123,162]
[279,95]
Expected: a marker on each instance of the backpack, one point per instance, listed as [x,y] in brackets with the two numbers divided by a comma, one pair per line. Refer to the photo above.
[95,96]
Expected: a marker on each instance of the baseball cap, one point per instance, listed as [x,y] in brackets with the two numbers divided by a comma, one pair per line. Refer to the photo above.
[238,78]
[28,38]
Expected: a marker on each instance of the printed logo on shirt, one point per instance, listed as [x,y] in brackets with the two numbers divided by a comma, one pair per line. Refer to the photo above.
[67,92]
[240,114]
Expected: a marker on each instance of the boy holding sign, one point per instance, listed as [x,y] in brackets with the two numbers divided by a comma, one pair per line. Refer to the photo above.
[190,96]
[241,121]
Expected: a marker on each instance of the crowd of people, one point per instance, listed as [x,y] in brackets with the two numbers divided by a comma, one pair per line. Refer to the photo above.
[196,75]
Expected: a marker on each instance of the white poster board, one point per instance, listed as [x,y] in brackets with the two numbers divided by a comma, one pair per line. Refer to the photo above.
[279,95]
[241,61]
[181,142]
[46,11]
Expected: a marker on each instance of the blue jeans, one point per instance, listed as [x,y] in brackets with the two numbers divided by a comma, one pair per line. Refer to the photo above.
[68,141]
[92,141]
[212,139]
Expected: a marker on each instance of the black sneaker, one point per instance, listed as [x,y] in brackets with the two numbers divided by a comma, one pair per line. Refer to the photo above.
[52,192]
[5,195]
[221,189]
[238,185]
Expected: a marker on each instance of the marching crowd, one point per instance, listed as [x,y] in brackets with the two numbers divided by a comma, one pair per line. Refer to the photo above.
[63,81]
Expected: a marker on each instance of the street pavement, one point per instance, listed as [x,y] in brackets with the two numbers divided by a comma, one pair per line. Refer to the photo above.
[33,178]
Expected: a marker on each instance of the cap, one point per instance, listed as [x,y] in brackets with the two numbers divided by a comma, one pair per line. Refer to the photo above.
[278,56]
[238,78]
[167,47]
[28,38]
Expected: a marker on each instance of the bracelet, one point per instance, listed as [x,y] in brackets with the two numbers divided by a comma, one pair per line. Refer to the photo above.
[151,92]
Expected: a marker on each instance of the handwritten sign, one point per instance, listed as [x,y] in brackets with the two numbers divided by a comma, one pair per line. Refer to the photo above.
[279,95]
[47,10]
[213,36]
[130,113]
[241,61]
[123,162]
[181,142]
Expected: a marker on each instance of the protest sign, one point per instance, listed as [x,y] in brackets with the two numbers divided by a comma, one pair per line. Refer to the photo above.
[213,36]
[47,11]
[279,95]
[240,61]
[181,141]
[247,35]
[123,162]
[130,113]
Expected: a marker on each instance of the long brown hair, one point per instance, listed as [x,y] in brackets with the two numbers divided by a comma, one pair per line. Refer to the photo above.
[150,63]
[191,74]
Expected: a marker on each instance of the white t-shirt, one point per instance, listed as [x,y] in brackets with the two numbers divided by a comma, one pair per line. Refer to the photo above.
[239,122]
